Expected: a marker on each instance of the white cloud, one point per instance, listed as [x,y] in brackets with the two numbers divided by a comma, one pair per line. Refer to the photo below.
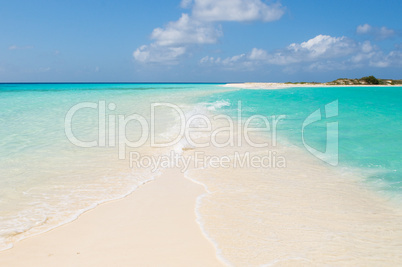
[395,58]
[199,28]
[377,32]
[158,54]
[363,29]
[186,3]
[381,60]
[384,32]
[236,10]
[366,47]
[370,55]
[319,47]
[186,31]
[380,63]
[258,54]
[208,59]
[232,60]
[366,52]
[322,52]
[172,41]
[322,46]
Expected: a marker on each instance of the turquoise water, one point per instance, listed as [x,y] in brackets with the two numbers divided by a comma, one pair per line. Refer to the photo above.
[45,180]
[369,118]
[101,86]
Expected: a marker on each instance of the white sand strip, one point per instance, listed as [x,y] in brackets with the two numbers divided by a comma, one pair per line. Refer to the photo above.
[274,86]
[154,226]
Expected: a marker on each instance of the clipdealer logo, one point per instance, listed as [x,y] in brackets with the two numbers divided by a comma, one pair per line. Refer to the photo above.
[112,131]
[331,153]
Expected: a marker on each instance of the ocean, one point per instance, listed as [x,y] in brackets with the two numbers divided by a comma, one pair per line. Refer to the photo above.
[66,148]
[369,119]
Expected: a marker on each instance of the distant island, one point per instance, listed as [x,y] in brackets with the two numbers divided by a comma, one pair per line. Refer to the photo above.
[369,80]
[364,81]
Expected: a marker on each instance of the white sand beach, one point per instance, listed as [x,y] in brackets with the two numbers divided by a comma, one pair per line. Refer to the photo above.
[273,85]
[301,214]
[200,133]
[154,226]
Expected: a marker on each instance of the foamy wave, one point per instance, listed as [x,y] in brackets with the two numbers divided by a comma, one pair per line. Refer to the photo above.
[65,208]
[198,116]
[218,105]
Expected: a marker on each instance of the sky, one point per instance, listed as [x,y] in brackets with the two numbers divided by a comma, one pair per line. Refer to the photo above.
[199,40]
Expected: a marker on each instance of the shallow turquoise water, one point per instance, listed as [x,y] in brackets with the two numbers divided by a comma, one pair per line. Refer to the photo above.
[44,178]
[369,119]
[44,175]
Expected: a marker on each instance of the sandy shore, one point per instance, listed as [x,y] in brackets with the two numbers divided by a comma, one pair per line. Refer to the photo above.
[154,226]
[304,214]
[272,86]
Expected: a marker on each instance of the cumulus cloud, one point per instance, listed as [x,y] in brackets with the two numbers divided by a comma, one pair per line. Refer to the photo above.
[322,46]
[379,59]
[377,32]
[173,40]
[363,29]
[234,62]
[322,52]
[236,10]
[201,27]
[154,53]
[186,3]
[395,58]
[258,54]
[186,31]
[319,47]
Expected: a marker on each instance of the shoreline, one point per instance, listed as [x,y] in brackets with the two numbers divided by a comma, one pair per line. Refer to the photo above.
[284,222]
[154,225]
[276,86]
[143,227]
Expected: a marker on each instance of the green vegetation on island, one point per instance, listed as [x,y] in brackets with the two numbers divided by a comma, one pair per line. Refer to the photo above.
[368,80]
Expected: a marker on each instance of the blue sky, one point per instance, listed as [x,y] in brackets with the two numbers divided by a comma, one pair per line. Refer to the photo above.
[198,40]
